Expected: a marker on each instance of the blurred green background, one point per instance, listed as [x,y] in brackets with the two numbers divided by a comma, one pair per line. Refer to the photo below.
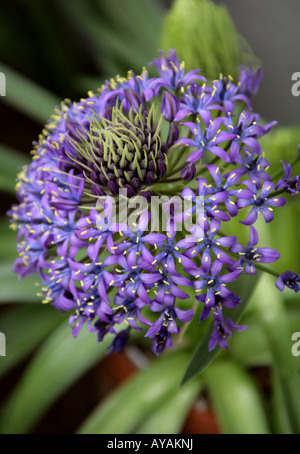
[49,382]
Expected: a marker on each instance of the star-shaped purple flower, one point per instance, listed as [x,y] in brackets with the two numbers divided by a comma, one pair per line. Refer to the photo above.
[260,203]
[251,254]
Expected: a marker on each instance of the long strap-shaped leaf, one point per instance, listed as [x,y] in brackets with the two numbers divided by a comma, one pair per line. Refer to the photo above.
[26,96]
[25,328]
[60,361]
[13,290]
[252,349]
[236,400]
[272,315]
[138,398]
[11,160]
[8,241]
[169,418]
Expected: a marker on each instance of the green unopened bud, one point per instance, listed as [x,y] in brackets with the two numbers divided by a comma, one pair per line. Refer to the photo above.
[205,37]
[124,152]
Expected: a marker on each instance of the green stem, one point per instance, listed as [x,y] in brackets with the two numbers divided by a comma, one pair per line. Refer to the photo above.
[278,192]
[171,180]
[166,180]
[266,270]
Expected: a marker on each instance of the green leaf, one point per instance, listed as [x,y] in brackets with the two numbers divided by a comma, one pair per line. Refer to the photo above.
[250,348]
[272,316]
[202,356]
[280,417]
[121,45]
[236,400]
[14,290]
[26,96]
[60,361]
[146,17]
[129,405]
[170,417]
[8,240]
[25,327]
[11,161]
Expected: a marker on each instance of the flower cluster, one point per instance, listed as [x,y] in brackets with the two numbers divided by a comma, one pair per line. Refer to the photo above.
[171,135]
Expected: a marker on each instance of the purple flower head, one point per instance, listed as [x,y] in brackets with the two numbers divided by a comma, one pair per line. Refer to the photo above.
[138,84]
[290,280]
[135,241]
[85,218]
[227,186]
[169,253]
[135,277]
[169,283]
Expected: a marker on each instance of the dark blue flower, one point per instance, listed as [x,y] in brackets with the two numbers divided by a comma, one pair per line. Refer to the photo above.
[222,331]
[166,325]
[290,280]
[228,300]
[129,308]
[119,342]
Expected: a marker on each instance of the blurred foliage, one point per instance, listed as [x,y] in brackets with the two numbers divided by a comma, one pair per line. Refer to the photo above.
[205,37]
[62,50]
[75,45]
